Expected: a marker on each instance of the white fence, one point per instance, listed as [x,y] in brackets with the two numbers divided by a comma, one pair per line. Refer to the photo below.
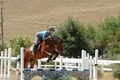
[85,63]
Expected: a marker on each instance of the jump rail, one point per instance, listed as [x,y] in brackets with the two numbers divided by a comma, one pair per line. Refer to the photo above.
[84,64]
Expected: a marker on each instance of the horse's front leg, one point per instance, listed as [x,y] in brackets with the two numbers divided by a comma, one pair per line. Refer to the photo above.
[26,62]
[56,55]
[49,58]
[32,62]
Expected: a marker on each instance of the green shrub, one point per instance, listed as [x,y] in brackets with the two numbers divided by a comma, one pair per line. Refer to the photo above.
[99,73]
[72,31]
[3,46]
[114,47]
[109,36]
[114,51]
[116,71]
[17,42]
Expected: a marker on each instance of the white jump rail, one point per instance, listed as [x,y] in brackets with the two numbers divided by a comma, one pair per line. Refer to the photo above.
[85,63]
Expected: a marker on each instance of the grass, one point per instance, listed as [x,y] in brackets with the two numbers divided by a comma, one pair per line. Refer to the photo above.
[107,76]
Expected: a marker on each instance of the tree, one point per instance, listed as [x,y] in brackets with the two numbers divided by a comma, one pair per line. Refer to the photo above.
[114,47]
[90,34]
[107,35]
[72,32]
[17,42]
[3,46]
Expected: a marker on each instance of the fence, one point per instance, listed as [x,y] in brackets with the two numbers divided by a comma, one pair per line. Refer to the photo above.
[86,63]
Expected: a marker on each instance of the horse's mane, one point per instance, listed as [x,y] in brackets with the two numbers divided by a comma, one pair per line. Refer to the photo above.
[56,37]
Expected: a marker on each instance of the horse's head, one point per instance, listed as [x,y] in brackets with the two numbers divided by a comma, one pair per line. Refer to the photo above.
[60,47]
[56,43]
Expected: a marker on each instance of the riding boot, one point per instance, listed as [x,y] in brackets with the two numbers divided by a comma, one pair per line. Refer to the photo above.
[38,46]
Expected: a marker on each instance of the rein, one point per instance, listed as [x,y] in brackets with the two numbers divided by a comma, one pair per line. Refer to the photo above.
[56,45]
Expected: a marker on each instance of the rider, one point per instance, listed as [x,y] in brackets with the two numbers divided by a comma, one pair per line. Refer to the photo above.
[40,36]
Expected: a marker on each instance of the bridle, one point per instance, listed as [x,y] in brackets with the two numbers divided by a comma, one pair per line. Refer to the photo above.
[56,48]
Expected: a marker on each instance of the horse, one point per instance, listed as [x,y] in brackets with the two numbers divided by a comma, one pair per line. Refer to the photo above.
[52,45]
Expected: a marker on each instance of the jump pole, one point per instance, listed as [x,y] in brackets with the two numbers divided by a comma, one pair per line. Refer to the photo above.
[95,65]
[9,63]
[22,64]
[5,62]
[1,65]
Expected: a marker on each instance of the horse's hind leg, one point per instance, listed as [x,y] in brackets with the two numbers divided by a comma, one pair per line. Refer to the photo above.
[32,62]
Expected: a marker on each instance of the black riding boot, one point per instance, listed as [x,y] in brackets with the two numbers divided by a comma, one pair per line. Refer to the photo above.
[37,46]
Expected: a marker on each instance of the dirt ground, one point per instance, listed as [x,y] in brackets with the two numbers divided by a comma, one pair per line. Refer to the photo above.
[106,76]
[26,17]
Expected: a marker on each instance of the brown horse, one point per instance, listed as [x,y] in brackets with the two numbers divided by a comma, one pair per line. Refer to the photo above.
[52,45]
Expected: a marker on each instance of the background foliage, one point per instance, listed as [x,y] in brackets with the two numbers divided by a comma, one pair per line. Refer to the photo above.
[19,41]
[72,32]
[3,46]
[109,36]
[104,36]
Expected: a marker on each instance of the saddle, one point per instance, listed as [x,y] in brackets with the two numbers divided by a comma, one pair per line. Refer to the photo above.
[37,46]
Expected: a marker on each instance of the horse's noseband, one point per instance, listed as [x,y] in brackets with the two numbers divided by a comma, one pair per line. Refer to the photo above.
[56,47]
[47,46]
